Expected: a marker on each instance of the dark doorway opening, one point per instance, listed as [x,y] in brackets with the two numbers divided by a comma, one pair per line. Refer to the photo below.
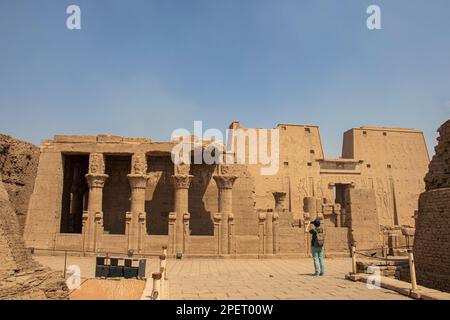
[116,193]
[75,192]
[159,198]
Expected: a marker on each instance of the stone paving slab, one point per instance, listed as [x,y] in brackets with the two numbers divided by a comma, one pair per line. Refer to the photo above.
[232,279]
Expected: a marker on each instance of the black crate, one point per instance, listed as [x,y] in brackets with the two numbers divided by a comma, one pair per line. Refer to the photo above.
[129,272]
[101,271]
[115,272]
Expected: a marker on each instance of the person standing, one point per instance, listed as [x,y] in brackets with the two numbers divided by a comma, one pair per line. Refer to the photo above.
[317,242]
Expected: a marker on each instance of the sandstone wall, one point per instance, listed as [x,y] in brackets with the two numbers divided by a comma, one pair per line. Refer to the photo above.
[365,228]
[18,166]
[432,237]
[394,164]
[385,161]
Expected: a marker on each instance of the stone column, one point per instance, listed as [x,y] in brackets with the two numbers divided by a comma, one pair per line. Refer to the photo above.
[261,232]
[93,217]
[280,198]
[225,186]
[275,232]
[180,218]
[136,216]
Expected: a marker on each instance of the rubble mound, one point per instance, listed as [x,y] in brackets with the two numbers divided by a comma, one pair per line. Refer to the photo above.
[20,276]
[18,167]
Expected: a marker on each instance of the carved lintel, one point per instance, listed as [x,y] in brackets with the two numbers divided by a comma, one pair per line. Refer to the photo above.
[138,181]
[96,180]
[182,181]
[225,181]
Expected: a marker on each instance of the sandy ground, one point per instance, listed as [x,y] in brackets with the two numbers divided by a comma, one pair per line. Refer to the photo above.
[101,289]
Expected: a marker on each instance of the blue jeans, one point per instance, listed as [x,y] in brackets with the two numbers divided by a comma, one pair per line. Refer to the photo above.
[317,253]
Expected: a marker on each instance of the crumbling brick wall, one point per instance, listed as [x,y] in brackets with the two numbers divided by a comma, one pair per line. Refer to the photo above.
[18,166]
[432,238]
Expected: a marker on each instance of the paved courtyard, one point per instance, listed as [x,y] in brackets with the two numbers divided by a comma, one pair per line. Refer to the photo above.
[248,279]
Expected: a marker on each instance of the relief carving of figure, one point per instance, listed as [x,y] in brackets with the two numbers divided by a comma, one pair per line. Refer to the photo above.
[182,169]
[96,163]
[139,164]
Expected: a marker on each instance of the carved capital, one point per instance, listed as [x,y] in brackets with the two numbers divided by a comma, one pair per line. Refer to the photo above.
[225,181]
[96,180]
[279,197]
[138,181]
[96,163]
[182,181]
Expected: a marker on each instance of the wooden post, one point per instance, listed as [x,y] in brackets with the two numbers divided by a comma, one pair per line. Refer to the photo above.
[353,259]
[156,293]
[412,271]
[65,263]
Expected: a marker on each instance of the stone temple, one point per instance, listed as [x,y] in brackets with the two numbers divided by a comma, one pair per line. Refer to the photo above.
[113,194]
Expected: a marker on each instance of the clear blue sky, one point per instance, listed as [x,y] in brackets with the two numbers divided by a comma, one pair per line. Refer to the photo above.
[144,68]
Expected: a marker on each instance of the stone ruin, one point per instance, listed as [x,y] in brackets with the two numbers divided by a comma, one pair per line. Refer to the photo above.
[20,276]
[109,193]
[432,239]
[18,167]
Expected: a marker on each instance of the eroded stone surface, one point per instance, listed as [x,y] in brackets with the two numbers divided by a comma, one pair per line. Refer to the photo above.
[432,237]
